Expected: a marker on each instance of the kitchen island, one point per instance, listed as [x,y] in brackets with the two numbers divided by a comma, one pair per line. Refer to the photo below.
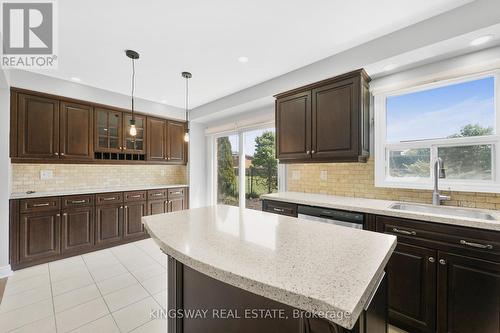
[240,270]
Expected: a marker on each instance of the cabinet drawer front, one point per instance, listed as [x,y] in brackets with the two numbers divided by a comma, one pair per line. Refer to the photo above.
[40,204]
[175,192]
[74,201]
[108,198]
[282,208]
[157,194]
[134,196]
[473,242]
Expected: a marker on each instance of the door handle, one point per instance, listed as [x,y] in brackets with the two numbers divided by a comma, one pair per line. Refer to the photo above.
[476,245]
[404,232]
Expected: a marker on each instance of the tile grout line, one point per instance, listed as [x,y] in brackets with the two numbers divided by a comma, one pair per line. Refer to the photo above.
[102,297]
[52,295]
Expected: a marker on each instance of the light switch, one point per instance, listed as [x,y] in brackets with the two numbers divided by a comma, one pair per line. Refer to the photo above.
[323,175]
[295,175]
[46,174]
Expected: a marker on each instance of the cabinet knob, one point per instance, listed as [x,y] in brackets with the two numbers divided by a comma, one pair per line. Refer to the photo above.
[65,214]
[312,151]
[431,259]
[58,215]
[442,262]
[308,152]
[126,207]
[62,154]
[57,154]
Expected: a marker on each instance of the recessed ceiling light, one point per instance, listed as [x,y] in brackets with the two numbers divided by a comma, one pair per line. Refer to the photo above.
[243,59]
[76,79]
[390,67]
[481,40]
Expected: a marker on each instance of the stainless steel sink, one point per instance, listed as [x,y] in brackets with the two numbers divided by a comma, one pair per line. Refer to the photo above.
[451,211]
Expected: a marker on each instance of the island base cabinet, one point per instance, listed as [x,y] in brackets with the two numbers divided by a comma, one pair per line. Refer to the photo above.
[109,224]
[132,224]
[39,236]
[469,295]
[77,229]
[234,310]
[412,288]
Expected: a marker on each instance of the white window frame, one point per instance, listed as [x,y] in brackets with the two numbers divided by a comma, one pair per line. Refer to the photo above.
[241,159]
[382,147]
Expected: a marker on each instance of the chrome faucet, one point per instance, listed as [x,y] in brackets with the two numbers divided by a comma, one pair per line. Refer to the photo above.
[439,172]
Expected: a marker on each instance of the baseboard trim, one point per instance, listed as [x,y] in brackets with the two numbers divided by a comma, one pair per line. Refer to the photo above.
[5,271]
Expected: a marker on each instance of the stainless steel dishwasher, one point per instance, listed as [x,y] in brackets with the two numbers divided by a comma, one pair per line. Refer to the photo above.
[333,216]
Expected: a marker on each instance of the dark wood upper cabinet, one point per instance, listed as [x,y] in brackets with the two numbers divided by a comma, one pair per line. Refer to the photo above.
[469,294]
[327,121]
[135,144]
[157,138]
[76,131]
[108,131]
[293,126]
[176,147]
[38,127]
[411,275]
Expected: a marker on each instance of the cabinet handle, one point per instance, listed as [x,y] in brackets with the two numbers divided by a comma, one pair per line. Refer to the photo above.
[442,262]
[78,201]
[312,152]
[62,154]
[476,245]
[58,215]
[41,205]
[126,207]
[308,152]
[279,210]
[121,207]
[404,232]
[164,158]
[65,214]
[431,259]
[178,192]
[109,199]
[157,194]
[135,196]
[57,154]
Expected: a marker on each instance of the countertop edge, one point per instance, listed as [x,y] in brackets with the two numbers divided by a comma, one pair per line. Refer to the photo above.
[298,301]
[23,195]
[454,221]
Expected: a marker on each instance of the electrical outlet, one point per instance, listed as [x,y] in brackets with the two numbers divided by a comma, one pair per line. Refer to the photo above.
[323,175]
[46,174]
[295,175]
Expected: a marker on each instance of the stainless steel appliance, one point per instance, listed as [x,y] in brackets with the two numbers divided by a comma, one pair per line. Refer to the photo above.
[333,216]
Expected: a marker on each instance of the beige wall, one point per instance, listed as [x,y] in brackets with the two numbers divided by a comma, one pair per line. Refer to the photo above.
[357,180]
[26,177]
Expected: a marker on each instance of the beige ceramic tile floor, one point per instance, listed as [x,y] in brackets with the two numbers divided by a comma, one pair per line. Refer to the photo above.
[112,290]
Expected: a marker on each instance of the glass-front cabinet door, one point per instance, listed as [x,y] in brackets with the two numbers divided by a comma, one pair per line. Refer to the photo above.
[108,131]
[134,144]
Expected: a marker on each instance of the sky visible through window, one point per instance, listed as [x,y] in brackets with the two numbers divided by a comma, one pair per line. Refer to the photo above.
[249,140]
[440,112]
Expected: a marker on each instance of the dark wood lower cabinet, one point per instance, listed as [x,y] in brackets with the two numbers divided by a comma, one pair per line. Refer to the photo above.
[468,295]
[109,223]
[132,224]
[411,274]
[39,235]
[50,228]
[77,229]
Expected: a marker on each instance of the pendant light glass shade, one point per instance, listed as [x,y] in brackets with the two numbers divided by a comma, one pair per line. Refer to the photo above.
[186,136]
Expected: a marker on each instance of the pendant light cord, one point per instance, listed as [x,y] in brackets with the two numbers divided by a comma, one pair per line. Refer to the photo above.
[187,94]
[133,87]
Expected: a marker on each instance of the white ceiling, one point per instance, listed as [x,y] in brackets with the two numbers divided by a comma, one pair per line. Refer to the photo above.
[207,37]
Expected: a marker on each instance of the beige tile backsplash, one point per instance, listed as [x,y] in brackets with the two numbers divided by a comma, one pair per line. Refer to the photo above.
[26,177]
[357,180]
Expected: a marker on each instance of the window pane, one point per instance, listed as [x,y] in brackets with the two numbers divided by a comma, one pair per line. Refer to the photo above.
[456,110]
[261,166]
[227,170]
[410,163]
[467,162]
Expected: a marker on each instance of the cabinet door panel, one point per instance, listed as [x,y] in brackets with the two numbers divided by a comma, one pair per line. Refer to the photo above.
[469,295]
[109,223]
[176,144]
[335,120]
[38,127]
[157,131]
[176,204]
[76,131]
[137,144]
[77,229]
[293,126]
[157,207]
[412,287]
[39,235]
[132,224]
[108,131]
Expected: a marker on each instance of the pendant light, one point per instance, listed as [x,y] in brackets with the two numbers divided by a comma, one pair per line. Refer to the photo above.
[134,56]
[187,76]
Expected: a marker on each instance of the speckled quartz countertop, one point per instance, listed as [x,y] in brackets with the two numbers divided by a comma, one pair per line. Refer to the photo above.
[381,207]
[313,266]
[24,195]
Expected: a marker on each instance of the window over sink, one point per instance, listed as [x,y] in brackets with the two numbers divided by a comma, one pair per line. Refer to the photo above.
[456,120]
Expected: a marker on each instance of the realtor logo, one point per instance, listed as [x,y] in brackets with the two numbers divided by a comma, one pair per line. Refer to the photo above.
[28,34]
